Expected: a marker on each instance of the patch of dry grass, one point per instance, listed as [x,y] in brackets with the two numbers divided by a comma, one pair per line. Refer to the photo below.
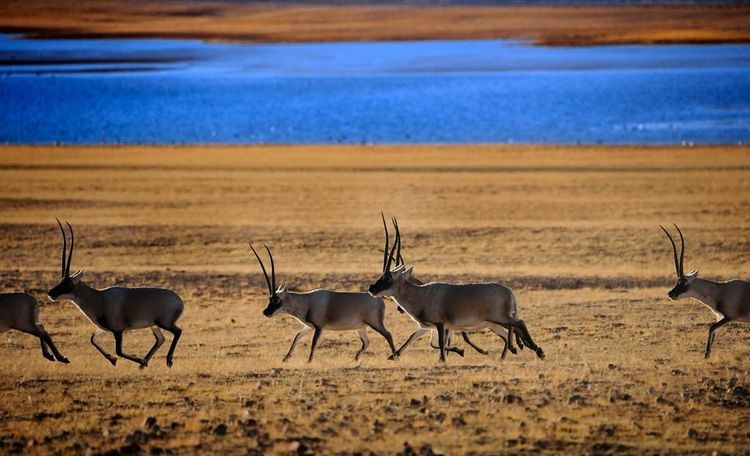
[263,22]
[572,230]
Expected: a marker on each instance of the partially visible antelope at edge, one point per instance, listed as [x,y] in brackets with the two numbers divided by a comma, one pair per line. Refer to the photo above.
[451,306]
[20,311]
[120,309]
[498,330]
[729,301]
[325,309]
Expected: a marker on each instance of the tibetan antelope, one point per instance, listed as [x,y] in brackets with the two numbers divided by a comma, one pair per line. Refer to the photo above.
[498,330]
[451,306]
[729,301]
[20,311]
[120,309]
[324,309]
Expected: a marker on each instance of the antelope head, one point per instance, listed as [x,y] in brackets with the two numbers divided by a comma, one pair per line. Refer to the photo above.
[390,277]
[684,281]
[275,296]
[67,282]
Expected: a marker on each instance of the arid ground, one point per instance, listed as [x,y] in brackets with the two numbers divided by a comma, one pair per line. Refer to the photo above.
[290,21]
[573,230]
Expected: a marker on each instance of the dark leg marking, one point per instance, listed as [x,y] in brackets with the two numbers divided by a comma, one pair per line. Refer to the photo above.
[176,333]
[122,354]
[441,340]
[712,333]
[316,337]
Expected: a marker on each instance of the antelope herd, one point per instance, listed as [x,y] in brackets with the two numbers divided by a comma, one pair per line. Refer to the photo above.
[437,308]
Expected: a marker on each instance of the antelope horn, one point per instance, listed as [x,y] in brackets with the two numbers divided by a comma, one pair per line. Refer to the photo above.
[682,252]
[273,268]
[396,242]
[385,249]
[64,249]
[72,245]
[674,251]
[399,258]
[263,268]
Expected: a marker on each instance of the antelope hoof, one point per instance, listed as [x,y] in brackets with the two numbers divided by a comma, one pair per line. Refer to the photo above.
[169,362]
[540,353]
[48,356]
[285,359]
[393,357]
[113,361]
[707,355]
[63,360]
[143,365]
[483,352]
[513,350]
[460,352]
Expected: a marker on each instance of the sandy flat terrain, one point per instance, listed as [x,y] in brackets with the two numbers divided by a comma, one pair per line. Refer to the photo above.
[572,230]
[290,22]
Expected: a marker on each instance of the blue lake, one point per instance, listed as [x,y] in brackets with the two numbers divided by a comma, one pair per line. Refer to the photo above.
[183,91]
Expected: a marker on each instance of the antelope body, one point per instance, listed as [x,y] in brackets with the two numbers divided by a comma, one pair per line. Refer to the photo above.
[324,309]
[500,331]
[729,301]
[444,306]
[20,311]
[120,309]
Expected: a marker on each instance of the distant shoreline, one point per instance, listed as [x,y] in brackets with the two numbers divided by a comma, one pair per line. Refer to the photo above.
[547,25]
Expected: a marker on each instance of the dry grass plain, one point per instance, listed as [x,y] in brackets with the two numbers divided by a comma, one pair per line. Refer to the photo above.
[573,230]
[289,21]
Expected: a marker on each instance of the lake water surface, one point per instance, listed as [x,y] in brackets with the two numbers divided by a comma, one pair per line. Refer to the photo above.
[183,91]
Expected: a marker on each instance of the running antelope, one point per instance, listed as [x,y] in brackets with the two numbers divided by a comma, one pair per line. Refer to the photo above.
[120,309]
[324,309]
[498,330]
[450,306]
[20,311]
[729,301]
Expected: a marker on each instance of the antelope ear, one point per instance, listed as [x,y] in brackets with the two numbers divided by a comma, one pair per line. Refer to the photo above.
[77,275]
[408,272]
[692,274]
[281,290]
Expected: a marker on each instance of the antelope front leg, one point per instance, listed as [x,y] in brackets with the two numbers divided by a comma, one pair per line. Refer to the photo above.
[441,340]
[94,338]
[476,347]
[300,335]
[122,354]
[414,336]
[712,333]
[449,347]
[316,336]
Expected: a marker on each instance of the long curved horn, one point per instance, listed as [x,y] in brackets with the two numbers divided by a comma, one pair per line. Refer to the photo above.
[396,242]
[72,244]
[263,268]
[674,250]
[682,252]
[273,268]
[64,249]
[399,258]
[385,249]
